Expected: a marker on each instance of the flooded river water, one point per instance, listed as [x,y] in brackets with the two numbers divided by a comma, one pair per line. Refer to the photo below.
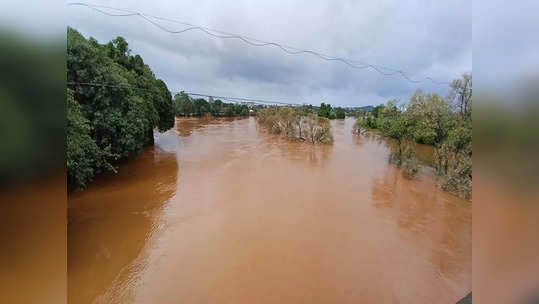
[221,212]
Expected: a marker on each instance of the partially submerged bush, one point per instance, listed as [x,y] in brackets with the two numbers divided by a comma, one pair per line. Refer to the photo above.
[404,156]
[445,123]
[318,129]
[411,167]
[454,161]
[459,178]
[295,124]
[358,126]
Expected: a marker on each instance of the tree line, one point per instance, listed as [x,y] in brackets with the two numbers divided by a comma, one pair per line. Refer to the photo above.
[184,105]
[445,123]
[107,123]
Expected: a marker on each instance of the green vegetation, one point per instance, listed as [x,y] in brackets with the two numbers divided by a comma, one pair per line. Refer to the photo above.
[326,111]
[112,121]
[445,123]
[186,106]
[83,154]
[296,124]
[340,113]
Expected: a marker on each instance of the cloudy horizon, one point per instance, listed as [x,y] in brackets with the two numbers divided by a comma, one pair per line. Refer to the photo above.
[433,40]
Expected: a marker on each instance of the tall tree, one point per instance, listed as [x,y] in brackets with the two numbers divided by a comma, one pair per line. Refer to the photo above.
[460,94]
[120,116]
[325,110]
[340,113]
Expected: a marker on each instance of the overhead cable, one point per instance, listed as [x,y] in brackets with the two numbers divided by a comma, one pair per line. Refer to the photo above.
[250,41]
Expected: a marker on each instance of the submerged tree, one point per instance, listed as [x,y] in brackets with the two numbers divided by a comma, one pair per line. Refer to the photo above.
[396,125]
[294,124]
[454,159]
[430,119]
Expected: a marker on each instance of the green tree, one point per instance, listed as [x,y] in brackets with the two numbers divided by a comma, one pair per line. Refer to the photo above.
[182,104]
[229,110]
[244,110]
[377,110]
[307,109]
[460,95]
[428,118]
[431,118]
[83,156]
[121,114]
[217,107]
[454,159]
[200,107]
[324,110]
[340,113]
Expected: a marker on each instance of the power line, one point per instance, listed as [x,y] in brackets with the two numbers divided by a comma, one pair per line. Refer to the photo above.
[232,99]
[251,41]
[95,84]
[245,99]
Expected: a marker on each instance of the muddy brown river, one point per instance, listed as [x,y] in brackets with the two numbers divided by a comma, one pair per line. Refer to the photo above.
[219,211]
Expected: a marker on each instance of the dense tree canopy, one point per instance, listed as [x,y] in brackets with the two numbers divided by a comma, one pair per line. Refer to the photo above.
[324,110]
[340,113]
[113,120]
[186,106]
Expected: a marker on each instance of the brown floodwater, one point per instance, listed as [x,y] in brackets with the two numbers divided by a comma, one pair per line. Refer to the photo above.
[220,211]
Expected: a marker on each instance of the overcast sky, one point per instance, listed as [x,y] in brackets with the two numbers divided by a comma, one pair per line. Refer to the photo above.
[423,38]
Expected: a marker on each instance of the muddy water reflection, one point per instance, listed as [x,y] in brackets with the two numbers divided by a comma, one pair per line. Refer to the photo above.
[111,222]
[232,214]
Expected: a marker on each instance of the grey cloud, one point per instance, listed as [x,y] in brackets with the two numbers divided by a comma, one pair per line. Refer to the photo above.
[432,39]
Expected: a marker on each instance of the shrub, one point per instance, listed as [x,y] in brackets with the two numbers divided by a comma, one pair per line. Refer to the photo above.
[296,124]
[404,156]
[458,178]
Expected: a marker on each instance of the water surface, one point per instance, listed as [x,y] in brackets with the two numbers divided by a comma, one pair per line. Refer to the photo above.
[221,212]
